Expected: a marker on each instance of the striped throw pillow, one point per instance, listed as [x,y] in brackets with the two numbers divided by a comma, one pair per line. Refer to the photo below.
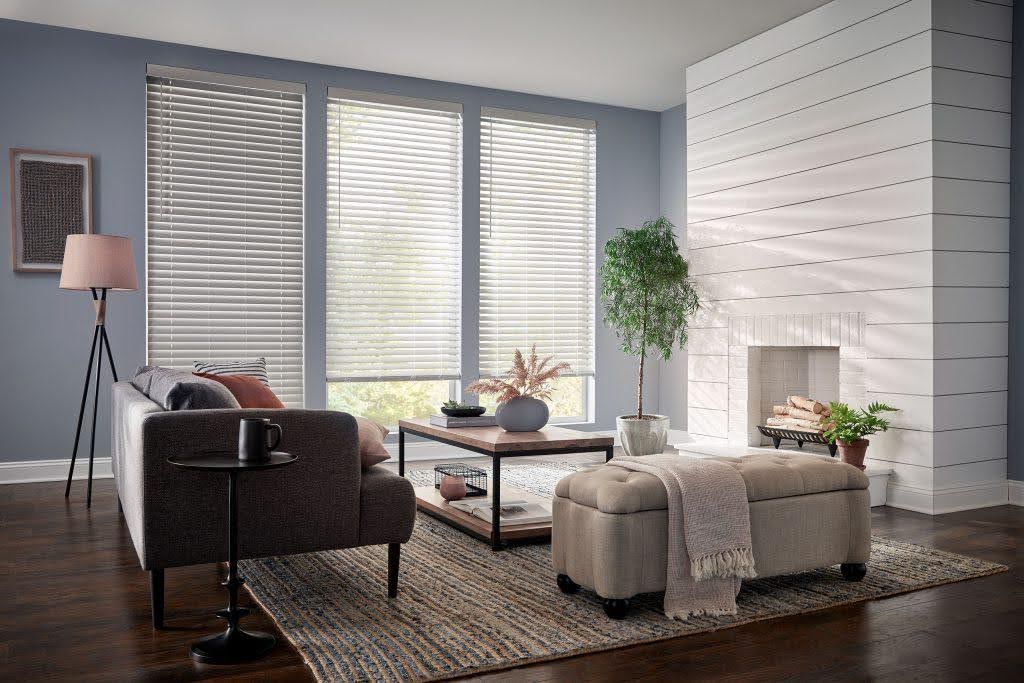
[257,367]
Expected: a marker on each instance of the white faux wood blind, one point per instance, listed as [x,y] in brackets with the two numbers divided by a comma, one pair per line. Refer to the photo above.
[225,223]
[537,238]
[394,237]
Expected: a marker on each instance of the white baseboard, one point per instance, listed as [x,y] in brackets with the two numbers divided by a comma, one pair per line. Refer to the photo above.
[951,499]
[1016,492]
[30,471]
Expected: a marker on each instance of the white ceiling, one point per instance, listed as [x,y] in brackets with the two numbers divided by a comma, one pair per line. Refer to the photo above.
[630,53]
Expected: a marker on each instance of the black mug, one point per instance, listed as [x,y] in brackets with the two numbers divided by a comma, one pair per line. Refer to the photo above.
[254,435]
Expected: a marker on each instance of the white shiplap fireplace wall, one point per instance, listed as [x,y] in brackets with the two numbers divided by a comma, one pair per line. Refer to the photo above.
[855,160]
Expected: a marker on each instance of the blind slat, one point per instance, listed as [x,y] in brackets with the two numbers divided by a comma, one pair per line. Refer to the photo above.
[225,227]
[537,239]
[394,234]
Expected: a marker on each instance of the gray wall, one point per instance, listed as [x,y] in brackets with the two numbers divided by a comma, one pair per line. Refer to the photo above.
[77,91]
[1015,401]
[672,394]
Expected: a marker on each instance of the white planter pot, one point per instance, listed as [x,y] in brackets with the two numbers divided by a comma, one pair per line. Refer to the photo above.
[642,437]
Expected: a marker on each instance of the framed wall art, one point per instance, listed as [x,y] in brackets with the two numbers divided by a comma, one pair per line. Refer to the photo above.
[51,198]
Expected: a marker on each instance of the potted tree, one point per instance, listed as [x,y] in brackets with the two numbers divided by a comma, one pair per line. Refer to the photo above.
[848,426]
[648,299]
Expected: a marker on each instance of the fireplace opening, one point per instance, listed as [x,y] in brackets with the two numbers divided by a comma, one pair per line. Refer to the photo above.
[778,372]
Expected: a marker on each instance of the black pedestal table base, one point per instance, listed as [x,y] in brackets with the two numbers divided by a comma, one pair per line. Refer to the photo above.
[235,644]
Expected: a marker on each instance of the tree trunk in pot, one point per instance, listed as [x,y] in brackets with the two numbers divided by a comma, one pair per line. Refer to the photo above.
[853,452]
[642,437]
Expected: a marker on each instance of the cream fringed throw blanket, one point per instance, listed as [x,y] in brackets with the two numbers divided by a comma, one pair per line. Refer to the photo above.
[709,548]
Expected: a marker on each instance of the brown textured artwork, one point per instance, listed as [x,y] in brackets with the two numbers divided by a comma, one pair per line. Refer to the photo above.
[51,198]
[51,208]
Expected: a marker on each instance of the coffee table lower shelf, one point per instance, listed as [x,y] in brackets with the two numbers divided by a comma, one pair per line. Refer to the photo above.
[429,501]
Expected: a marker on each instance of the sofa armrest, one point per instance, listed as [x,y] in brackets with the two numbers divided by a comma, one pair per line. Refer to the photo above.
[310,505]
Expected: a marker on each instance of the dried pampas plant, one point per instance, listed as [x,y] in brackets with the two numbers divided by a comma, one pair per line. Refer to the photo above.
[525,379]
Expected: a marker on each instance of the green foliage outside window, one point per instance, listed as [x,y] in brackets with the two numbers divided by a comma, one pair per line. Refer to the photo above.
[388,402]
[567,399]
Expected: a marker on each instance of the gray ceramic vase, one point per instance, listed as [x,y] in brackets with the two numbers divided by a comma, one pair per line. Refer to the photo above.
[522,415]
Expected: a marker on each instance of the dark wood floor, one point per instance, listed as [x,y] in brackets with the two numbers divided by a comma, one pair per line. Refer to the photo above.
[74,606]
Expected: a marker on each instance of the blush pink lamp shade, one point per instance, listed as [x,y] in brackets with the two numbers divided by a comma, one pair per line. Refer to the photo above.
[98,262]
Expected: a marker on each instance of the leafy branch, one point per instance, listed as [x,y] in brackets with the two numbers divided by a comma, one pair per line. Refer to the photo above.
[848,424]
[647,293]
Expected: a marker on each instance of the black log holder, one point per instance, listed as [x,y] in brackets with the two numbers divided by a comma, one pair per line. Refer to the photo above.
[777,434]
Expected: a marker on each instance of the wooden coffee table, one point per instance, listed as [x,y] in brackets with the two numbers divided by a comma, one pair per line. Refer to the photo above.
[496,443]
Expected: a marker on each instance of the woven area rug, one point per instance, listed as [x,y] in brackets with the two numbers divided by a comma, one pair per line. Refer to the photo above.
[463,609]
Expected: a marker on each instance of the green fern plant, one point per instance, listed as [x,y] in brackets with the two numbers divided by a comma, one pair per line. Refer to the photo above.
[848,424]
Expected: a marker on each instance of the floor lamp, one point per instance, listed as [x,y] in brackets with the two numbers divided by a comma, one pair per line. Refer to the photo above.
[98,263]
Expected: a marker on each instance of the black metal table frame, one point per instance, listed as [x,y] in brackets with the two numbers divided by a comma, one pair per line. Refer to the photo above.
[495,488]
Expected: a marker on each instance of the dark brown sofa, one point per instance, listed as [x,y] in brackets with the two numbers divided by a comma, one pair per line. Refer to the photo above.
[324,501]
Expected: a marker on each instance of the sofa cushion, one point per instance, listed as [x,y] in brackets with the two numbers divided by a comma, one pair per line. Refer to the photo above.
[253,367]
[371,442]
[620,491]
[175,389]
[250,392]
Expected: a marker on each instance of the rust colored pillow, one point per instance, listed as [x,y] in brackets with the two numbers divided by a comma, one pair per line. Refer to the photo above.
[371,441]
[250,392]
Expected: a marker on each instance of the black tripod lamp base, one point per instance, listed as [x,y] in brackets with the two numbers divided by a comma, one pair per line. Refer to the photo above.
[231,647]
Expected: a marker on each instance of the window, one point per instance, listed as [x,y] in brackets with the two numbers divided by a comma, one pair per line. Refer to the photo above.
[225,223]
[537,241]
[394,253]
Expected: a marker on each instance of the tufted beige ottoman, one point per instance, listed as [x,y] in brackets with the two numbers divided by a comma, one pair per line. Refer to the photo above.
[609,524]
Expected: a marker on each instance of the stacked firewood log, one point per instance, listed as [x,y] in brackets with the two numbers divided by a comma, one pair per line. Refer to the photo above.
[800,413]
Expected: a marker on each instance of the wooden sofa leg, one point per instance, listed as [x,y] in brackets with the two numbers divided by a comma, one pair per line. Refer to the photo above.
[394,555]
[156,596]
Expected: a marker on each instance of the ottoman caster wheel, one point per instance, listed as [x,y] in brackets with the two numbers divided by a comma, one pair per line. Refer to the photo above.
[616,608]
[853,572]
[567,585]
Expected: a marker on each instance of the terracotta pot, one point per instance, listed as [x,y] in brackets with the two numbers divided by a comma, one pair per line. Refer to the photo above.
[452,488]
[853,452]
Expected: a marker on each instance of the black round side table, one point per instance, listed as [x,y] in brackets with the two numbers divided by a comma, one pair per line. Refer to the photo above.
[235,644]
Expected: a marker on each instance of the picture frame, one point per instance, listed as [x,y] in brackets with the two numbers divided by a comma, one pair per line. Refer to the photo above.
[51,198]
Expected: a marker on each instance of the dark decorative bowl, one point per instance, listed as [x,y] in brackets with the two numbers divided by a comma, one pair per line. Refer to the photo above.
[469,411]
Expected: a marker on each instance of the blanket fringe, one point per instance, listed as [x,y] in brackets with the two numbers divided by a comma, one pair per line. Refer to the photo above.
[684,615]
[738,562]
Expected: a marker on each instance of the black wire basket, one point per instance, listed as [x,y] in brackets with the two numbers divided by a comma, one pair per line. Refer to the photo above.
[476,478]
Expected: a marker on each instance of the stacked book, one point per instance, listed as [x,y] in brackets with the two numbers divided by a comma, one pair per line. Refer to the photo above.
[446,421]
[512,512]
